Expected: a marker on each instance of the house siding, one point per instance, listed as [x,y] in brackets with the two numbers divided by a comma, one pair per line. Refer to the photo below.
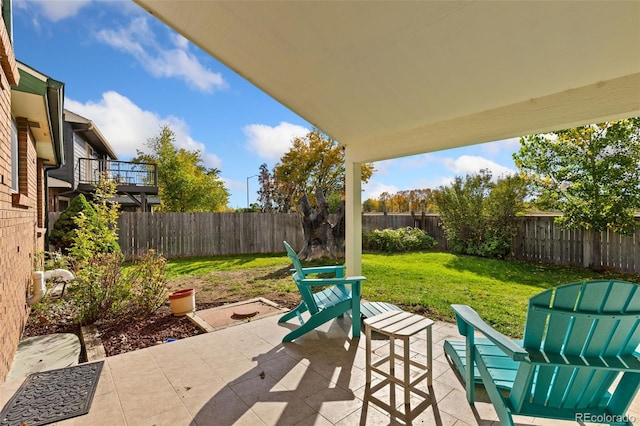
[66,172]
[19,236]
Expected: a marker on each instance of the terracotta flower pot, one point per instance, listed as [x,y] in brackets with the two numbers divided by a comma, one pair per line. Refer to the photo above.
[183,301]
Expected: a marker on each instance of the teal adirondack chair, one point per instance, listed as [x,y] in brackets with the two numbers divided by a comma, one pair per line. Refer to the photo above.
[337,295]
[576,361]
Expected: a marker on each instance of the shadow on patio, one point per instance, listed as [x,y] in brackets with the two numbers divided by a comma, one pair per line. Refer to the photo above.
[244,375]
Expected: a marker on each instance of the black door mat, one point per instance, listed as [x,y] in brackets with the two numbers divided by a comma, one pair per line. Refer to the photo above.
[54,395]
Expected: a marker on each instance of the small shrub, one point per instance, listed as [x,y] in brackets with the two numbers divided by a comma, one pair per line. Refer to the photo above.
[397,240]
[38,260]
[64,229]
[479,215]
[98,233]
[99,288]
[148,279]
[55,260]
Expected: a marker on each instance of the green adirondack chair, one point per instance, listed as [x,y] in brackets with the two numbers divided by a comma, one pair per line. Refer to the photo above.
[335,297]
[576,362]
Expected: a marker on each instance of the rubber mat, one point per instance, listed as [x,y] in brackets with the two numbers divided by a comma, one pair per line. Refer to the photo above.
[50,396]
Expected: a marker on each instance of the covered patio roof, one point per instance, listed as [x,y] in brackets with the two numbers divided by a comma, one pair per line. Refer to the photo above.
[390,79]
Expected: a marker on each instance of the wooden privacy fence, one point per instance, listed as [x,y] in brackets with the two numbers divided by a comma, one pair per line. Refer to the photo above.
[538,239]
[207,234]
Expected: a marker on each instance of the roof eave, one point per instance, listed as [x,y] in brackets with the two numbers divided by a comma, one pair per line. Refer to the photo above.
[91,131]
[40,98]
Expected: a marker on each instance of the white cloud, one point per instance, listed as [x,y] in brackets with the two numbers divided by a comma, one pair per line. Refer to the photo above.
[419,161]
[272,142]
[469,164]
[127,127]
[434,182]
[373,189]
[139,41]
[387,167]
[509,145]
[54,10]
[180,41]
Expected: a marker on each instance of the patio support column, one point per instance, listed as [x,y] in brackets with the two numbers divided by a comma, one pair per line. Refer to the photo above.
[353,213]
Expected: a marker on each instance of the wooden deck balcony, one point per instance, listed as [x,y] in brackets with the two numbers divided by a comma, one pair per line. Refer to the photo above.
[132,178]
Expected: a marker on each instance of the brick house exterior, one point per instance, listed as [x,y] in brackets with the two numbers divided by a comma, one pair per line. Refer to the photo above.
[30,142]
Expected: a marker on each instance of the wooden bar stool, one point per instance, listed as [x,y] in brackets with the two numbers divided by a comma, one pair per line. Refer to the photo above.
[399,325]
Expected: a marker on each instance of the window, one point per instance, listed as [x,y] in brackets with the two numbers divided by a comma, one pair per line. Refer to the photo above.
[15,156]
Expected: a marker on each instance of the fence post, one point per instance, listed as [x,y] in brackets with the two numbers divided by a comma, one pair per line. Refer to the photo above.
[587,247]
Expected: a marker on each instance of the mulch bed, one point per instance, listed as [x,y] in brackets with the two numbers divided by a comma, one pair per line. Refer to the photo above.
[119,335]
[125,336]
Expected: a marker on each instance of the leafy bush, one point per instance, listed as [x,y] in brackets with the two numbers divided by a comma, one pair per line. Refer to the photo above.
[55,260]
[97,233]
[397,240]
[99,288]
[479,216]
[148,279]
[64,229]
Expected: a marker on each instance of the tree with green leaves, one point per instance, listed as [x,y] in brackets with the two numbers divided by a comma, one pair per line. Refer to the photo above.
[65,227]
[479,215]
[266,193]
[313,161]
[590,173]
[370,205]
[184,183]
[97,232]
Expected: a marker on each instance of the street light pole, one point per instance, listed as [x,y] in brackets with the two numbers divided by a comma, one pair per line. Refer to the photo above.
[248,188]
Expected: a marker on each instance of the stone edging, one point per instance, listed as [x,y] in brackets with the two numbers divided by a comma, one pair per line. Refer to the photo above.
[92,343]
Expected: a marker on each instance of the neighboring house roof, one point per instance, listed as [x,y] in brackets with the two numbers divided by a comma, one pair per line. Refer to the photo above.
[90,132]
[39,98]
[57,183]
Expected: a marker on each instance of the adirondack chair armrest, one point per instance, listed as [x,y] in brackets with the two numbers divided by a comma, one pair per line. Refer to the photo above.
[356,280]
[338,270]
[469,320]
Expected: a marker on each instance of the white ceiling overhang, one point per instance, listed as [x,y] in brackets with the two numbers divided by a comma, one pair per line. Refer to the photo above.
[38,99]
[389,79]
[34,108]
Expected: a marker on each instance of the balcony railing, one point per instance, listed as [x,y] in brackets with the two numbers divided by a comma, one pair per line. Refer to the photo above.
[124,173]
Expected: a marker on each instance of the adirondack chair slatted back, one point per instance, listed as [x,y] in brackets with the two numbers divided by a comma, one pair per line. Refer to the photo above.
[305,292]
[591,323]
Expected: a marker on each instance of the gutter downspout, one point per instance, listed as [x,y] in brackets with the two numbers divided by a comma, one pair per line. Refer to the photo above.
[39,283]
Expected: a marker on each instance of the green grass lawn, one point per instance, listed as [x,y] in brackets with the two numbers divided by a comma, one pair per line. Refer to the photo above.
[426,283]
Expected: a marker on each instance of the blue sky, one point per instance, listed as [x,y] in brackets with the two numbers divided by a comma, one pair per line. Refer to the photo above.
[130,74]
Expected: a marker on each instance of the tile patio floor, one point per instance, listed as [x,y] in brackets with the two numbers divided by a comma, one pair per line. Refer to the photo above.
[244,375]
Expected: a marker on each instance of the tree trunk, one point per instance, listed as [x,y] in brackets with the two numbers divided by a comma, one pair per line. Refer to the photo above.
[321,239]
[338,231]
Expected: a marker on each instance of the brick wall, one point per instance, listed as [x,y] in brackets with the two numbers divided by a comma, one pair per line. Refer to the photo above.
[19,239]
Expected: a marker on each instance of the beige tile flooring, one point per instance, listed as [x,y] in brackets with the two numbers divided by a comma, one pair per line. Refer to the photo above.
[244,375]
